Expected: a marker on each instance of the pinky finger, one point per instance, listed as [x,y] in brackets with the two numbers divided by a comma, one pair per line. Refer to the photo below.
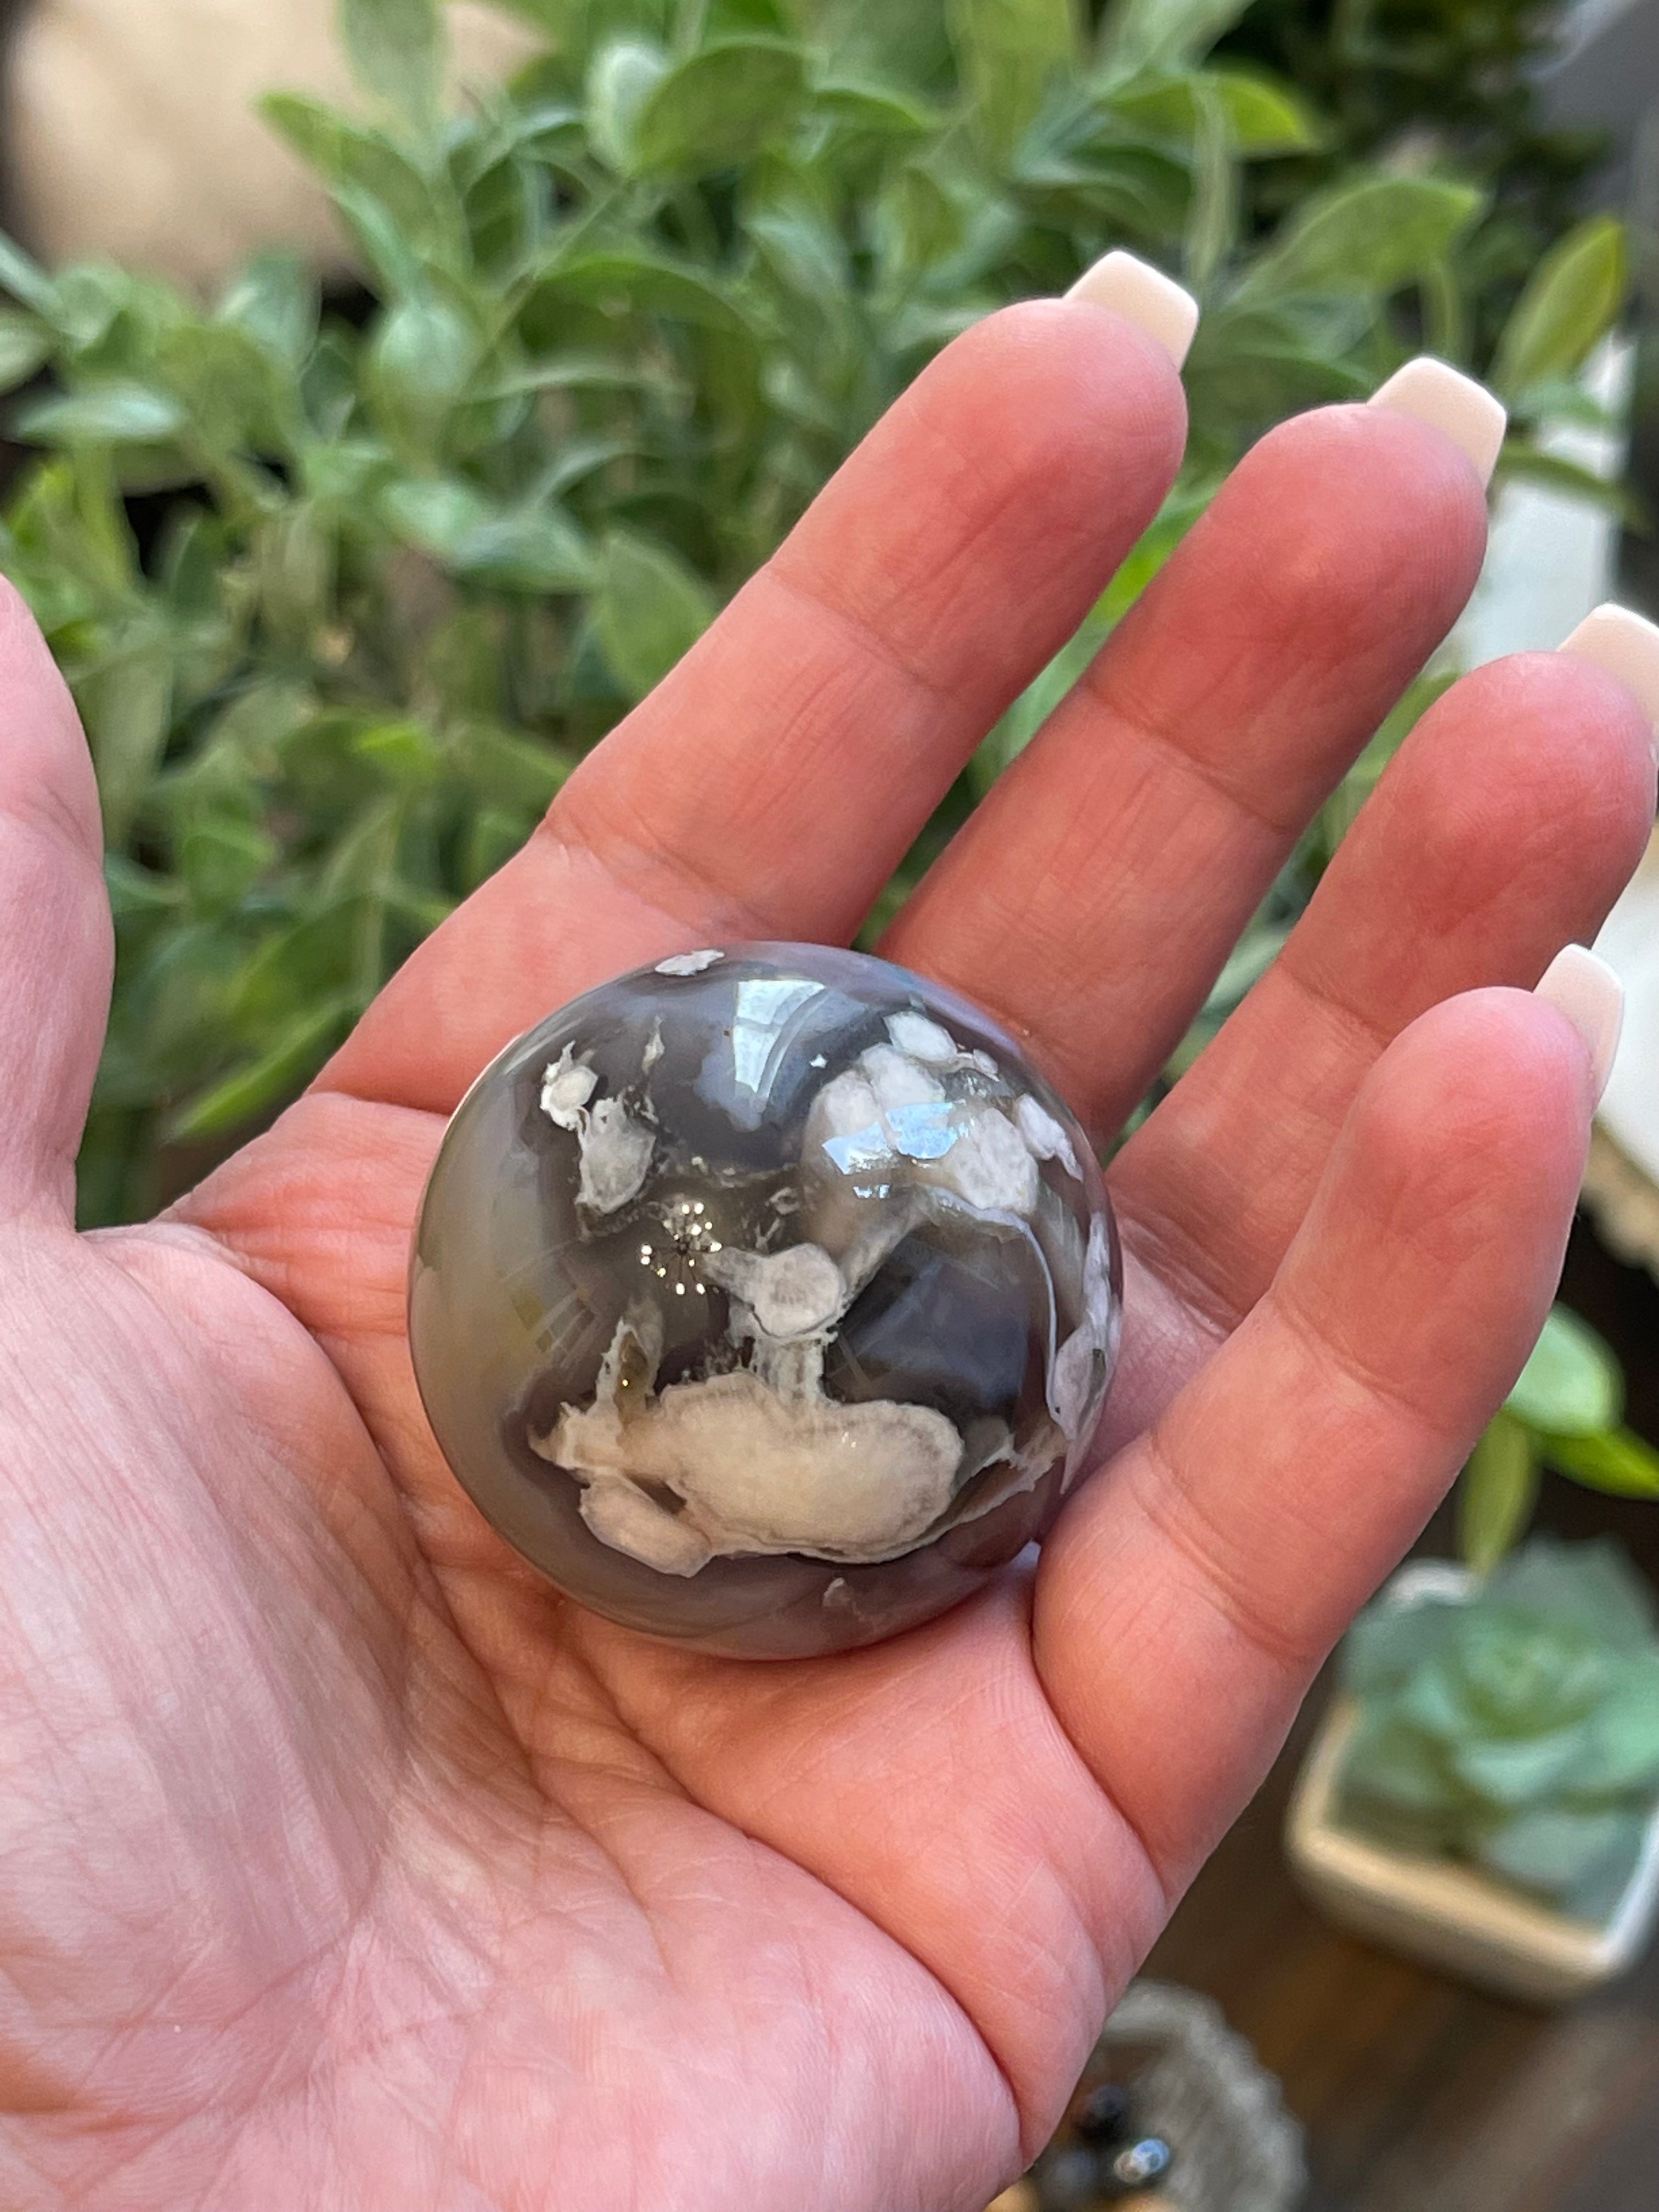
[1190,1593]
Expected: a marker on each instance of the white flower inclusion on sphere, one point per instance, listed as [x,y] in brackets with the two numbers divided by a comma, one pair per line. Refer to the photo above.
[765,1299]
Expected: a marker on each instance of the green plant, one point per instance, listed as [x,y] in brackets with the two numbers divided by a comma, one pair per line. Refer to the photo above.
[1516,1730]
[1565,1411]
[344,599]
[1416,80]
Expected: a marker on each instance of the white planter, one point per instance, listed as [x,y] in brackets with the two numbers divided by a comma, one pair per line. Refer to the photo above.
[1622,1182]
[1449,1916]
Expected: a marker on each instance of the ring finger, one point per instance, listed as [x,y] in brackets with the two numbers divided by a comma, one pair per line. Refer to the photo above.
[1093,897]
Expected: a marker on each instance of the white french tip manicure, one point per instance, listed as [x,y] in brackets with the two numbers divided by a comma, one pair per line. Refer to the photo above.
[1626,644]
[1579,984]
[1145,295]
[1434,391]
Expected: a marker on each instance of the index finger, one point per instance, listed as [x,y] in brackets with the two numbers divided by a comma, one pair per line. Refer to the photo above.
[773,781]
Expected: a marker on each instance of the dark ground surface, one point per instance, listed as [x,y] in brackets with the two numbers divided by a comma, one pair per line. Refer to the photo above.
[1418,2096]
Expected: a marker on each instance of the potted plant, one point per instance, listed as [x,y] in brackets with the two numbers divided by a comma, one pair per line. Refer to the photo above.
[1484,1792]
[344,596]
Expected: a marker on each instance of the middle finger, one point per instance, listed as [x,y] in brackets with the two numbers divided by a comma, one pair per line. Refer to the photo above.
[1094,895]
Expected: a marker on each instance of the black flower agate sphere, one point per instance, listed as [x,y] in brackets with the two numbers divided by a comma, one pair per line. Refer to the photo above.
[765,1299]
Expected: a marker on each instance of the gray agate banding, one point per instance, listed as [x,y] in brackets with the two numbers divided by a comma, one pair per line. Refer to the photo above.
[765,1299]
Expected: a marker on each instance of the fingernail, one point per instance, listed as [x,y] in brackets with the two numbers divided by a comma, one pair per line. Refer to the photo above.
[1580,985]
[1626,646]
[1434,391]
[1135,289]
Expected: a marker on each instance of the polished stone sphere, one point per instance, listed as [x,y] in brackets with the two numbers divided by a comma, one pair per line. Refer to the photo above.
[765,1299]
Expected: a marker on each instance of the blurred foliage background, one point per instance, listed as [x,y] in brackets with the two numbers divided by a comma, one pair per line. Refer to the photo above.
[344,589]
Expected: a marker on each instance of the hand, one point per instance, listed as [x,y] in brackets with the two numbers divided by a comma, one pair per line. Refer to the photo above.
[342,1863]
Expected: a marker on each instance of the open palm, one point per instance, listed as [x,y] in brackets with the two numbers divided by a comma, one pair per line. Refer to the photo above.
[342,1863]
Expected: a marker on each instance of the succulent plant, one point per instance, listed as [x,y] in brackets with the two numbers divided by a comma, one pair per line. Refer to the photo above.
[1515,1727]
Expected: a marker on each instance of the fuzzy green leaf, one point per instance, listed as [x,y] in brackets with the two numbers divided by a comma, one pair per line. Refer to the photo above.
[1008,53]
[1369,237]
[1514,1672]
[1261,117]
[1591,1589]
[1621,1751]
[124,703]
[648,611]
[602,373]
[1214,215]
[1395,1765]
[103,414]
[1556,1851]
[354,159]
[511,769]
[235,396]
[1495,1496]
[1142,35]
[420,359]
[397,49]
[275,300]
[1264,118]
[626,281]
[1526,464]
[561,20]
[1517,1773]
[718,108]
[24,345]
[135,892]
[916,221]
[1388,1641]
[624,74]
[1436,1699]
[403,751]
[394,260]
[1620,1464]
[854,111]
[260,1084]
[502,213]
[1571,1385]
[221,859]
[517,548]
[27,280]
[1572,299]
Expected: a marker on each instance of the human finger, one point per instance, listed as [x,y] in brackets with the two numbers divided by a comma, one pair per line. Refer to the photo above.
[771,783]
[1505,827]
[1189,1594]
[1093,897]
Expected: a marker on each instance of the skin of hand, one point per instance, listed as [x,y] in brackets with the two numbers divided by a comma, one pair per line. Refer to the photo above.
[342,1863]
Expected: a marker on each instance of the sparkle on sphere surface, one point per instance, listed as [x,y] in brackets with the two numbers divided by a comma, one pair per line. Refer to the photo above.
[765,1299]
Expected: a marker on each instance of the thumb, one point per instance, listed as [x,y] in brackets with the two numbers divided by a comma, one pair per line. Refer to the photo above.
[55,935]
